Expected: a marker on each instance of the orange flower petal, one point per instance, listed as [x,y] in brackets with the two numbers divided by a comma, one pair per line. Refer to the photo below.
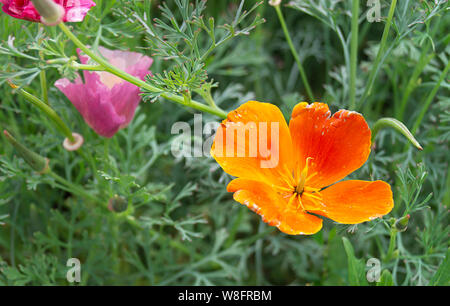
[254,143]
[354,201]
[338,144]
[271,205]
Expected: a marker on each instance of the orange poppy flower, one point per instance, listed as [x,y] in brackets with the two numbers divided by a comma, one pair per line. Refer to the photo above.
[291,175]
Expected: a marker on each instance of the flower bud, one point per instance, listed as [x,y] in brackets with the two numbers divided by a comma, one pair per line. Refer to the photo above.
[51,12]
[395,254]
[118,204]
[402,224]
[36,161]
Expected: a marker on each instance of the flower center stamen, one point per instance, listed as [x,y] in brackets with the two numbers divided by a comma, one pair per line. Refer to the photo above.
[302,178]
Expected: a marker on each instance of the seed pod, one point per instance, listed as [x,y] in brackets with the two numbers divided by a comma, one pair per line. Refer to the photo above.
[402,224]
[118,204]
[36,161]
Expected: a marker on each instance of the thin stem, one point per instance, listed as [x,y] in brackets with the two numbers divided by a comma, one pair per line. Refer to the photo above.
[234,228]
[44,89]
[259,256]
[76,65]
[354,53]
[51,114]
[392,242]
[173,243]
[136,81]
[427,103]
[430,98]
[423,61]
[446,198]
[214,46]
[42,76]
[75,189]
[294,53]
[412,83]
[380,53]
[87,156]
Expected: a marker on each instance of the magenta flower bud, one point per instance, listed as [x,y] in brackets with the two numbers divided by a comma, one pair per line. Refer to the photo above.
[107,102]
[49,12]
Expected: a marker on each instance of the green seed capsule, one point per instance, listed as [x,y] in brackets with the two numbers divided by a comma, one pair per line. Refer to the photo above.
[36,161]
[118,204]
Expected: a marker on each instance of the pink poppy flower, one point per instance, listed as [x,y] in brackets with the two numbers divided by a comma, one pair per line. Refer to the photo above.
[74,10]
[107,102]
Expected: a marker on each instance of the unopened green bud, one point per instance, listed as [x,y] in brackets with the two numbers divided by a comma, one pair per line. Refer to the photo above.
[396,125]
[36,161]
[392,221]
[51,12]
[395,254]
[118,204]
[402,224]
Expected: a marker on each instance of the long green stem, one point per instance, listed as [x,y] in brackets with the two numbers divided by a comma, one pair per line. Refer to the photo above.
[446,198]
[412,83]
[136,81]
[44,90]
[392,242]
[75,189]
[294,53]
[377,62]
[354,53]
[423,61]
[430,98]
[48,111]
[42,75]
[87,67]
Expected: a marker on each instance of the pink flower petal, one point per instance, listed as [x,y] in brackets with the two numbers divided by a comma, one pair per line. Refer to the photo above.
[106,102]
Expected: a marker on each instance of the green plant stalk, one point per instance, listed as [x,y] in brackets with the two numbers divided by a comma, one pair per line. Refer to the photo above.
[412,83]
[294,53]
[392,243]
[74,188]
[47,110]
[430,98]
[173,243]
[423,61]
[136,81]
[62,127]
[75,65]
[44,90]
[354,53]
[41,165]
[446,199]
[42,76]
[379,56]
[259,257]
[234,228]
